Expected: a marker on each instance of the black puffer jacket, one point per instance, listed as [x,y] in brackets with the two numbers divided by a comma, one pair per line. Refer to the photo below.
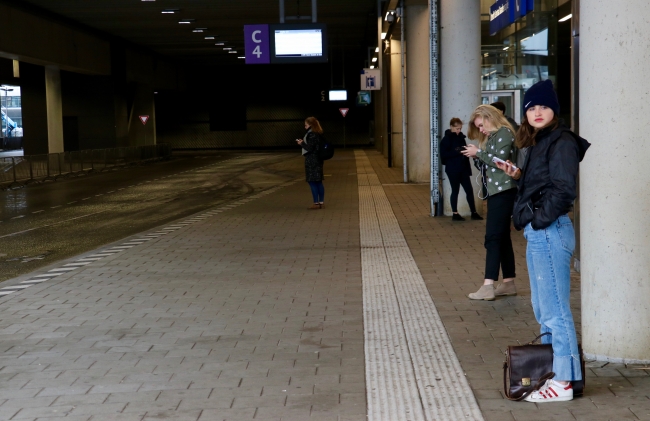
[547,187]
[455,162]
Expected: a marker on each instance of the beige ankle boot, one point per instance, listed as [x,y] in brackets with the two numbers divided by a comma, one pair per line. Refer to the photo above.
[486,292]
[505,288]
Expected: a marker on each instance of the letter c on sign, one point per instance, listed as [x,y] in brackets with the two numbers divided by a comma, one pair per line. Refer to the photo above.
[256,40]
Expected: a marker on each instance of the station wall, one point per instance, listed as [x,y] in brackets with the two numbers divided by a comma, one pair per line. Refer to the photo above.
[256,106]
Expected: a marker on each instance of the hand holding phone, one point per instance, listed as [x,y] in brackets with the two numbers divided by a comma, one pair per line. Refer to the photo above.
[497,160]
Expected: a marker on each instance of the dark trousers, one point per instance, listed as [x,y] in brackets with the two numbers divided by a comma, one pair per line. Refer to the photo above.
[498,245]
[317,191]
[456,180]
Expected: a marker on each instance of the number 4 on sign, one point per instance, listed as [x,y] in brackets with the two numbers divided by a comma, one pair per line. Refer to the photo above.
[344,111]
[257,51]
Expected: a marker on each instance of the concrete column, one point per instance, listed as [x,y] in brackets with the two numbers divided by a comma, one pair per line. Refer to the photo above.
[396,101]
[614,180]
[54,109]
[417,65]
[460,74]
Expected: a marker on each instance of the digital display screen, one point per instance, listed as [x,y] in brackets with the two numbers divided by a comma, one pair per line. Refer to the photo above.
[338,95]
[298,43]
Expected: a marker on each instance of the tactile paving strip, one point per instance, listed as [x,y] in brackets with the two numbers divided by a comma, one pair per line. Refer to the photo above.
[110,251]
[412,372]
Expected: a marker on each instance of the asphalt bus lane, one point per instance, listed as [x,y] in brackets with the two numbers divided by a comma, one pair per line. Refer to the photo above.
[40,239]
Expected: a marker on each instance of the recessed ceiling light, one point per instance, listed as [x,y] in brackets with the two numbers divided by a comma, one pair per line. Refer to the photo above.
[372,67]
[377,50]
[374,59]
[220,43]
[232,52]
[209,37]
[567,17]
[170,11]
[148,0]
[186,21]
[227,48]
[200,30]
[241,57]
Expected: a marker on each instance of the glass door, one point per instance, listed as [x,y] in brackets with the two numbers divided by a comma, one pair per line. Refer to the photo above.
[511,99]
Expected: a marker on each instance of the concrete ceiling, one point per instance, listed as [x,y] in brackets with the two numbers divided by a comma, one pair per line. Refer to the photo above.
[351,23]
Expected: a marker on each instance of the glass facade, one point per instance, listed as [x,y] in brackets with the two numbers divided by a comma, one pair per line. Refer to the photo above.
[12,116]
[534,48]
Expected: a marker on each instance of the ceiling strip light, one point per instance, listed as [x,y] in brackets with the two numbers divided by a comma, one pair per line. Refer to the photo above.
[567,17]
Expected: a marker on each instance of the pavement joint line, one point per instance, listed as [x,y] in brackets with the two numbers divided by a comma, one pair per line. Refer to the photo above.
[407,347]
[46,275]
[35,281]
[16,287]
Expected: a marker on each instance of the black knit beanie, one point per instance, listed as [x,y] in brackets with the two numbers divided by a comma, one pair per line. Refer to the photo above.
[542,93]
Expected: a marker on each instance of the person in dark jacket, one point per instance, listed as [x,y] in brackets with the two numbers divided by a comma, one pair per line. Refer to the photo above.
[457,168]
[547,189]
[502,107]
[313,164]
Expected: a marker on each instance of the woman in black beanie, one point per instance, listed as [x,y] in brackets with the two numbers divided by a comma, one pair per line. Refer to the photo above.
[547,189]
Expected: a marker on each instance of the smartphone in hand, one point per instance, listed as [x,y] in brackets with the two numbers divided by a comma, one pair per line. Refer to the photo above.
[501,161]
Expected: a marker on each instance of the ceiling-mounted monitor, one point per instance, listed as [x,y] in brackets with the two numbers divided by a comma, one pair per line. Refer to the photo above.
[298,43]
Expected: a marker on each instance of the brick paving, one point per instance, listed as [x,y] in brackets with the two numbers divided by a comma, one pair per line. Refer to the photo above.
[256,313]
[451,258]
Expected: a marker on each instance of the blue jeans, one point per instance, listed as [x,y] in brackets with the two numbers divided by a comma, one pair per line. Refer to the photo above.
[317,191]
[548,256]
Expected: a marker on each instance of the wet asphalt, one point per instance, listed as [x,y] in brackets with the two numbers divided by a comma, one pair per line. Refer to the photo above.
[44,223]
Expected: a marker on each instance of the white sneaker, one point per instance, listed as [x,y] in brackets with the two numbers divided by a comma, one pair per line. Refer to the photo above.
[552,392]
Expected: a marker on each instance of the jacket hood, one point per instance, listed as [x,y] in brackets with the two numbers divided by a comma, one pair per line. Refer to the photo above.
[583,144]
[448,132]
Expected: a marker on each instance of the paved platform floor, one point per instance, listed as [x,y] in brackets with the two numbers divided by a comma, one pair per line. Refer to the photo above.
[254,311]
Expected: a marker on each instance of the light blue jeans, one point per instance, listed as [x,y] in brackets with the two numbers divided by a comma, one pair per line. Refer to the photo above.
[548,256]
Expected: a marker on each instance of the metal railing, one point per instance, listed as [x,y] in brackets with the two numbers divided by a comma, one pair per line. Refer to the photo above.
[22,170]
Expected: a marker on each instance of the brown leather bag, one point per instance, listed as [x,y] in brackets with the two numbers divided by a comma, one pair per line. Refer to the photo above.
[527,367]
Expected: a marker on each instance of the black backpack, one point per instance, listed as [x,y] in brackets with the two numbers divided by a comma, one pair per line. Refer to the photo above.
[326,149]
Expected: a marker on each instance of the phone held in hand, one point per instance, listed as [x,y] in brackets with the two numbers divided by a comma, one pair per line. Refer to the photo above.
[501,161]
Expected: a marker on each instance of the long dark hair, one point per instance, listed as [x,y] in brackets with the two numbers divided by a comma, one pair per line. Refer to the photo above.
[526,134]
[314,125]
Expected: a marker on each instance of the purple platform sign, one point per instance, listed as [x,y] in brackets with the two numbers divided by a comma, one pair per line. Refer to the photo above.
[256,39]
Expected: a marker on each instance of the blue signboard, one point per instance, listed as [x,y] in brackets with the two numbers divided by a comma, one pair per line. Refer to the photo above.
[499,16]
[256,44]
[516,8]
[506,12]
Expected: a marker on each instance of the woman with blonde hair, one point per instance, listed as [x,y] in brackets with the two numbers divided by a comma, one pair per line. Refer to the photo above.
[495,137]
[313,164]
